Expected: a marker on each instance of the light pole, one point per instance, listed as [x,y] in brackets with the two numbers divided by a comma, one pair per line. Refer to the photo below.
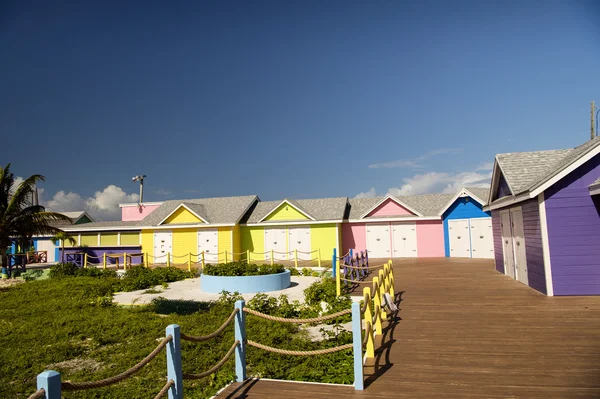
[140,178]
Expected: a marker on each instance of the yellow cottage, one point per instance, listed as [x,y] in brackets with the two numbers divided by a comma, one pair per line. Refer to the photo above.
[293,229]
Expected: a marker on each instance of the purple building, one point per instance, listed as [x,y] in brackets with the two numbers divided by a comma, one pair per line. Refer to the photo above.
[546,218]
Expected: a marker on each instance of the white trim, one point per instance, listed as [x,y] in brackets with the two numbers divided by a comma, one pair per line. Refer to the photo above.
[495,180]
[119,237]
[291,223]
[98,238]
[189,210]
[165,227]
[285,201]
[137,204]
[595,190]
[397,201]
[394,219]
[462,193]
[506,201]
[545,245]
[502,239]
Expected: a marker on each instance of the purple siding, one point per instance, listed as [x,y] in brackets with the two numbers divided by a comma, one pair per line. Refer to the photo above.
[573,218]
[498,249]
[533,245]
[503,190]
[99,252]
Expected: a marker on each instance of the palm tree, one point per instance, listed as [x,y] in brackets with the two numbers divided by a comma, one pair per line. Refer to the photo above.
[62,237]
[19,218]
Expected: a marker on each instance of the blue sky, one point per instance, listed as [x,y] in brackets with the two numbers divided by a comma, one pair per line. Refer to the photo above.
[293,99]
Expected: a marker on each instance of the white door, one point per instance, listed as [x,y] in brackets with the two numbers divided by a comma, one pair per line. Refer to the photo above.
[518,235]
[404,237]
[275,241]
[460,240]
[299,239]
[163,245]
[482,240]
[507,244]
[208,241]
[378,241]
[49,247]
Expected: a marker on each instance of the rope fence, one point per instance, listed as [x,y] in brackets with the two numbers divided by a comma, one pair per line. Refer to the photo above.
[213,334]
[301,353]
[216,367]
[165,389]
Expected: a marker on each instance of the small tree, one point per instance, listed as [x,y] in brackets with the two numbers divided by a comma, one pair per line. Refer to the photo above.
[63,236]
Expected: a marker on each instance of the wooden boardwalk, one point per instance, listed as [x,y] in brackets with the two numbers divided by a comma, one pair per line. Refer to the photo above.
[467,331]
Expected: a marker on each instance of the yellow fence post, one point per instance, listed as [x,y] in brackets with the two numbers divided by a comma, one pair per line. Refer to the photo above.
[189,262]
[391,288]
[225,256]
[203,259]
[124,260]
[84,260]
[146,259]
[271,257]
[104,260]
[338,279]
[248,256]
[168,259]
[381,292]
[296,258]
[370,352]
[319,257]
[377,306]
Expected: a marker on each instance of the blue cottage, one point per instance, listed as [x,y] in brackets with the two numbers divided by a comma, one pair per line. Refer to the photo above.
[467,228]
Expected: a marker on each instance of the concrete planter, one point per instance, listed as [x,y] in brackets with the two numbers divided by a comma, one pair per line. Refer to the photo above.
[245,284]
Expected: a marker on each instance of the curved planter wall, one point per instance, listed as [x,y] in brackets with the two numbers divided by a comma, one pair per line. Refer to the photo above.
[245,284]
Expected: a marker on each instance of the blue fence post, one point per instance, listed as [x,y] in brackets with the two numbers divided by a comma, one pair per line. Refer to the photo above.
[174,371]
[333,262]
[49,381]
[357,341]
[240,335]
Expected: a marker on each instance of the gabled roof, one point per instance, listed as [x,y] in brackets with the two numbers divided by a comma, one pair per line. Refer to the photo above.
[478,194]
[196,210]
[392,198]
[74,218]
[595,187]
[321,209]
[530,173]
[291,203]
[427,205]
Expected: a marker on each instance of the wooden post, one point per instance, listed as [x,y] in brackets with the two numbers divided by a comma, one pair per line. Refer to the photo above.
[104,260]
[168,259]
[84,260]
[203,259]
[357,347]
[146,259]
[319,257]
[174,369]
[190,262]
[124,260]
[369,321]
[377,306]
[296,258]
[272,257]
[333,262]
[240,335]
[338,278]
[248,256]
[381,292]
[49,381]
[392,291]
[225,256]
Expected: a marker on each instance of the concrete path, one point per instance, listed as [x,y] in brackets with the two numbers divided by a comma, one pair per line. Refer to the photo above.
[190,290]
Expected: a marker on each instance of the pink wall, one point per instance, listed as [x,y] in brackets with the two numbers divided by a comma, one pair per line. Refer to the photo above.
[354,236]
[430,239]
[390,208]
[133,212]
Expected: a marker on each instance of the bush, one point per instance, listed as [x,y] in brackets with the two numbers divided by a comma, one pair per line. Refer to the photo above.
[32,275]
[241,268]
[139,277]
[71,269]
[63,269]
[294,272]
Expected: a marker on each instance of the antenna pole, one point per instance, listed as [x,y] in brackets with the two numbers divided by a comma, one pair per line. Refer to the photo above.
[142,191]
[593,125]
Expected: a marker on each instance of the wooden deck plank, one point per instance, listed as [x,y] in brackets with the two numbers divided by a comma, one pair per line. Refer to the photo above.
[465,330]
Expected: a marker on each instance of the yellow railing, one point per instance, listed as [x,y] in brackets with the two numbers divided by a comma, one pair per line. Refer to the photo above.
[373,305]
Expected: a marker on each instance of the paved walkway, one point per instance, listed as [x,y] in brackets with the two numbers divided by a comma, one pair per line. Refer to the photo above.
[190,290]
[467,331]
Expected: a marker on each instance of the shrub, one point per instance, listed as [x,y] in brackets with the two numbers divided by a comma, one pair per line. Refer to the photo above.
[241,268]
[294,272]
[32,275]
[63,269]
[71,269]
[306,271]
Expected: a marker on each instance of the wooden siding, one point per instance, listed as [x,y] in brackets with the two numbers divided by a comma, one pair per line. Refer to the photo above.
[225,244]
[573,218]
[83,219]
[503,189]
[182,215]
[253,240]
[90,240]
[286,212]
[462,208]
[185,241]
[390,208]
[323,237]
[130,238]
[110,239]
[148,242]
[498,248]
[237,242]
[430,239]
[533,245]
[353,237]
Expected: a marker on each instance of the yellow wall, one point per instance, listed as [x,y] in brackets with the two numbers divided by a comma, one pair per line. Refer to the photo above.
[286,212]
[253,239]
[182,215]
[323,237]
[148,242]
[185,241]
[237,243]
[130,238]
[225,244]
[108,239]
[91,240]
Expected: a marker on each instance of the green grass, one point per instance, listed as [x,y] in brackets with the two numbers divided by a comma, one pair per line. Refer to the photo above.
[64,324]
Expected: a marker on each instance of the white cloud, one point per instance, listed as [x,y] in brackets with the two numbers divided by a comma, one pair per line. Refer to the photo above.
[367,194]
[104,205]
[164,193]
[440,182]
[485,166]
[416,162]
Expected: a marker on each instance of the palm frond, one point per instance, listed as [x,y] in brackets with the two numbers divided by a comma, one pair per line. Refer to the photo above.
[22,196]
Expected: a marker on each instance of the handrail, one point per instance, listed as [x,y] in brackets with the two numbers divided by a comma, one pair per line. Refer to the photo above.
[298,321]
[301,353]
[216,367]
[213,334]
[164,389]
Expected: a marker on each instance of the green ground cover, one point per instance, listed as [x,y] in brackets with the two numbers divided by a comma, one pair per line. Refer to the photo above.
[70,325]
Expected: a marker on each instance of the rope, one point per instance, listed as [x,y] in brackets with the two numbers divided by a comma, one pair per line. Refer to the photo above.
[165,389]
[367,333]
[355,281]
[179,256]
[38,394]
[215,368]
[300,353]
[307,253]
[78,386]
[214,334]
[364,267]
[298,321]
[366,302]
